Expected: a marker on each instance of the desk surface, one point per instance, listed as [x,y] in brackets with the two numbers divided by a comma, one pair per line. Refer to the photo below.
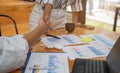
[14,3]
[78,31]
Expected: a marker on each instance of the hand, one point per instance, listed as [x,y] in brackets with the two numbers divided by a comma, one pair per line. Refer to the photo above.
[43,26]
[46,20]
[20,68]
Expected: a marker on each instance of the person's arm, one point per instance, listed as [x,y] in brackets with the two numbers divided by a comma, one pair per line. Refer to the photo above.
[75,17]
[34,36]
[76,7]
[13,50]
[47,12]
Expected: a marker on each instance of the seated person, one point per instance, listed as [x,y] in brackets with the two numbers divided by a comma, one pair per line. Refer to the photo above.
[13,50]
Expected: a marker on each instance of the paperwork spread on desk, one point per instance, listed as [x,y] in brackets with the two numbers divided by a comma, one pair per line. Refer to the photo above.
[51,42]
[100,38]
[47,63]
[92,50]
[99,46]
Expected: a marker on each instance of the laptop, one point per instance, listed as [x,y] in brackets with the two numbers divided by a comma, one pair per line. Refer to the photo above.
[111,65]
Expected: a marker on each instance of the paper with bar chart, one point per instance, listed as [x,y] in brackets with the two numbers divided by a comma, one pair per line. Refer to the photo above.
[100,38]
[92,50]
[65,40]
[47,63]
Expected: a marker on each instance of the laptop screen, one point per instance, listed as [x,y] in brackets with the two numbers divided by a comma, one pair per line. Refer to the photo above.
[113,59]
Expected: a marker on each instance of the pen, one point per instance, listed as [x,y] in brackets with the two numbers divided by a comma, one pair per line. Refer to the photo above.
[76,44]
[53,36]
[43,68]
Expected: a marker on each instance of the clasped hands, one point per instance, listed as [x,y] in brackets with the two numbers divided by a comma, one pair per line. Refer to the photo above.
[44,24]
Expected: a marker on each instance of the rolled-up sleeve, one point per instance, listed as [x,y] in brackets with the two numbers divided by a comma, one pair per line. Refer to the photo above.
[77,6]
[13,52]
[48,1]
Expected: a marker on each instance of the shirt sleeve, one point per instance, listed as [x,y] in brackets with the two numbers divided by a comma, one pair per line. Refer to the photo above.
[76,6]
[48,1]
[13,52]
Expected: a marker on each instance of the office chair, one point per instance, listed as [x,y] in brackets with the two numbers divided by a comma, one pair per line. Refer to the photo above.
[16,29]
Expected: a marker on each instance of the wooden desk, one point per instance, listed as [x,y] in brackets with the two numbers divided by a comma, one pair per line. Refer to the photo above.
[117,8]
[9,30]
[78,31]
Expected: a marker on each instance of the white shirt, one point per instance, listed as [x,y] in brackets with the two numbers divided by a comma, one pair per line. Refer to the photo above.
[13,52]
[76,5]
[58,16]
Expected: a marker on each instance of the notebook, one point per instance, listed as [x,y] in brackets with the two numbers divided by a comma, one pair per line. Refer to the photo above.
[111,65]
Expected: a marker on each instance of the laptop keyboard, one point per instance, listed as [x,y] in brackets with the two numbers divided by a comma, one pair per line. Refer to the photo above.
[90,66]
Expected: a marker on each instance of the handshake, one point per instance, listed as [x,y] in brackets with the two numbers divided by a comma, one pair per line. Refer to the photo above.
[44,26]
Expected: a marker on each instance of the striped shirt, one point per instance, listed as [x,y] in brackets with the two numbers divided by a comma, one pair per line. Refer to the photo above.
[76,5]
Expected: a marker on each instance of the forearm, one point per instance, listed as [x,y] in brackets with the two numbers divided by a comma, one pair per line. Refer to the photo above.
[75,17]
[34,36]
[47,11]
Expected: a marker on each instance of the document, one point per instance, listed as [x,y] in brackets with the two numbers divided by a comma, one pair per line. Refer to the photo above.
[46,63]
[92,50]
[51,42]
[100,38]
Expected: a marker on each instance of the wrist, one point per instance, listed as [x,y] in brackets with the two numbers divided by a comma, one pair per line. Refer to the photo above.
[46,19]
